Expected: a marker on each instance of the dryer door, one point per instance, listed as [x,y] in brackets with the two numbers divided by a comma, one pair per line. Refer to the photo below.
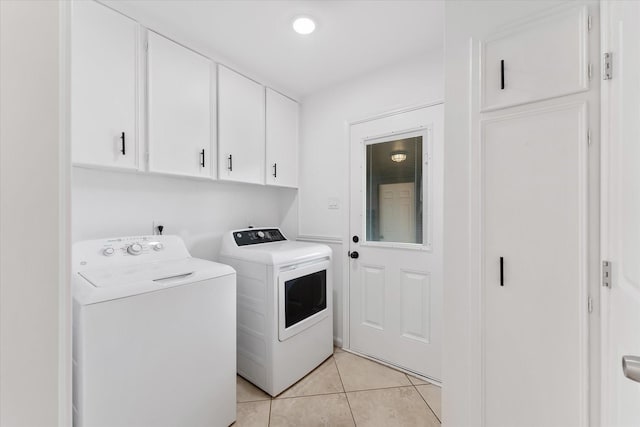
[303,293]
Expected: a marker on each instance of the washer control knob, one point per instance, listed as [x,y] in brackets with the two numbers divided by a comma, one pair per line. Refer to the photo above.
[158,247]
[108,252]
[135,249]
[261,234]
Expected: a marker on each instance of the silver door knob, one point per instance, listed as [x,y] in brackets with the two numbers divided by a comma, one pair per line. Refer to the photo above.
[631,367]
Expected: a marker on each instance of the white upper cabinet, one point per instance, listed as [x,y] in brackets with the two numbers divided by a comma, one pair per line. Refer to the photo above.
[540,59]
[282,140]
[180,109]
[104,91]
[241,128]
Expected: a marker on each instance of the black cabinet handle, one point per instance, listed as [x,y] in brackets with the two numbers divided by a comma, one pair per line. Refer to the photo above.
[501,271]
[353,255]
[502,74]
[202,160]
[275,170]
[124,145]
[230,158]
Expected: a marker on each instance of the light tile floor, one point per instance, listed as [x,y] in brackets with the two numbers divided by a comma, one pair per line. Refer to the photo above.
[346,390]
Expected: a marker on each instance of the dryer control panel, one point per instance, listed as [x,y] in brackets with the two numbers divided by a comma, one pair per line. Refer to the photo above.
[255,236]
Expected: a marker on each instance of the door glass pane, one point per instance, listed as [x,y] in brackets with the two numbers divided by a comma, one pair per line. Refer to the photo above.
[394,191]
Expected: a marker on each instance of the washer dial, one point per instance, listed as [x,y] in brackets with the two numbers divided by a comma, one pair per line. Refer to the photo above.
[135,249]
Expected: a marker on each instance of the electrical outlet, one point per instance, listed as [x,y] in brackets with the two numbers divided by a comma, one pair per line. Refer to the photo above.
[154,226]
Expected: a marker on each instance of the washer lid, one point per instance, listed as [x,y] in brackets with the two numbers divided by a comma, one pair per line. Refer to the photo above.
[105,284]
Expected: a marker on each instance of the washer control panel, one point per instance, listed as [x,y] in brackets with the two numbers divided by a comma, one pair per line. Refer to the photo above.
[127,251]
[258,235]
[133,246]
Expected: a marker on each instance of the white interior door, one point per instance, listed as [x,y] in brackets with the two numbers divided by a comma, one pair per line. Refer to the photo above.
[397,212]
[621,212]
[395,283]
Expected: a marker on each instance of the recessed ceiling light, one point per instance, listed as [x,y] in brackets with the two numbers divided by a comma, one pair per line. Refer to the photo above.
[304,25]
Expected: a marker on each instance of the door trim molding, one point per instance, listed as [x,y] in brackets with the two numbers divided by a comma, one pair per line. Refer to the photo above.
[65,352]
[346,288]
[395,112]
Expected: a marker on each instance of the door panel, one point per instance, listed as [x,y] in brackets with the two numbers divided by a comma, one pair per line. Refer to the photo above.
[281,140]
[541,59]
[104,97]
[241,128]
[534,183]
[621,213]
[180,119]
[395,297]
[415,309]
[373,295]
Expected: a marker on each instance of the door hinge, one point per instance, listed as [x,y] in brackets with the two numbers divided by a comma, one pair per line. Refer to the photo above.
[607,66]
[606,274]
[589,22]
[590,304]
[589,137]
[590,71]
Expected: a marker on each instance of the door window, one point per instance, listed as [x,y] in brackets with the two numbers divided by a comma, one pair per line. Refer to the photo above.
[393,201]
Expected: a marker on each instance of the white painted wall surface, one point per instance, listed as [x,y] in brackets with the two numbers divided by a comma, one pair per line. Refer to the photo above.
[111,204]
[467,22]
[324,150]
[32,218]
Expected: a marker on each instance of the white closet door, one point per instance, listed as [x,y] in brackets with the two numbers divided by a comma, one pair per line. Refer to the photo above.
[180,109]
[103,97]
[241,124]
[535,311]
[540,59]
[282,140]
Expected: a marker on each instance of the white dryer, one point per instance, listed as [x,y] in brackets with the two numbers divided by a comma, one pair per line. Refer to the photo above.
[284,292]
[153,335]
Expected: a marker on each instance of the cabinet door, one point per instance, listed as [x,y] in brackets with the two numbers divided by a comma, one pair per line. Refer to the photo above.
[282,140]
[534,198]
[241,128]
[541,59]
[179,109]
[103,97]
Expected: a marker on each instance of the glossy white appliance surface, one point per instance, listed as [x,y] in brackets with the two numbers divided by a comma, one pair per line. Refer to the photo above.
[153,335]
[271,355]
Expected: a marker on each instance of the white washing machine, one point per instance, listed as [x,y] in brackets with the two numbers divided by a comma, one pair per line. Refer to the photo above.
[153,335]
[284,291]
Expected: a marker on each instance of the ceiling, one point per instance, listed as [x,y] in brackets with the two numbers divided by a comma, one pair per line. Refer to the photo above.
[352,37]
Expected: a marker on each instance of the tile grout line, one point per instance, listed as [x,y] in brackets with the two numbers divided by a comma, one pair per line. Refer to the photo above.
[345,391]
[425,401]
[270,406]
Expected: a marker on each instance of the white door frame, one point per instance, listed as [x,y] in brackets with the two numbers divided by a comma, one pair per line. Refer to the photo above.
[347,212]
[65,352]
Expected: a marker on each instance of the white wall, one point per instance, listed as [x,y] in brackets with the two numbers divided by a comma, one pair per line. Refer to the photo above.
[110,204]
[32,218]
[324,147]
